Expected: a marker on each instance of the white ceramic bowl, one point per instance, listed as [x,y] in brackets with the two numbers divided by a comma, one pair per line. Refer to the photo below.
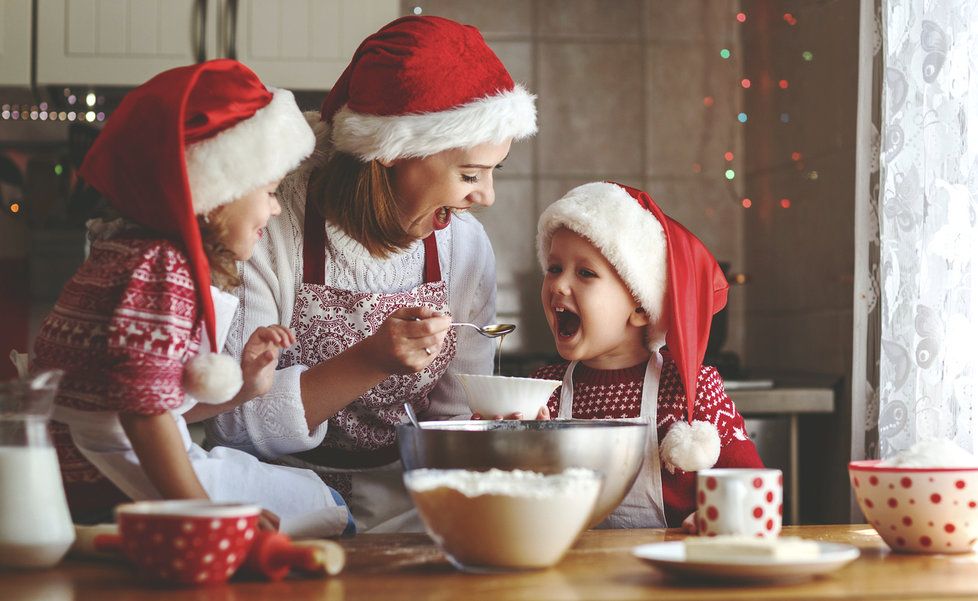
[919,510]
[503,520]
[503,395]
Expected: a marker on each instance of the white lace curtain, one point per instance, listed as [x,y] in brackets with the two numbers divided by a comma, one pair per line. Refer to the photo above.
[928,224]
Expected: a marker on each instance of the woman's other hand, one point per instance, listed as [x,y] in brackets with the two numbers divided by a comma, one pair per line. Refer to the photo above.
[259,358]
[542,414]
[408,340]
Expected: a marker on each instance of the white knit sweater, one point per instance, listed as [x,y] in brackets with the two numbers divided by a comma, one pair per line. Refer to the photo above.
[274,424]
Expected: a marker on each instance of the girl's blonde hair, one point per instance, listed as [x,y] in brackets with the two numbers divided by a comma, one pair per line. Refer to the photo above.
[224,267]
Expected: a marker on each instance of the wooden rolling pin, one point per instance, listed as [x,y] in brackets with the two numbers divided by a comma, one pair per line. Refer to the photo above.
[273,555]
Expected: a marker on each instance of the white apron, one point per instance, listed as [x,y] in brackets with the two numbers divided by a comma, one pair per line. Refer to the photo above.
[306,506]
[359,456]
[642,506]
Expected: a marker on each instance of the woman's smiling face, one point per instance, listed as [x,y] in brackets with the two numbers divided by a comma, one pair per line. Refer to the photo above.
[428,190]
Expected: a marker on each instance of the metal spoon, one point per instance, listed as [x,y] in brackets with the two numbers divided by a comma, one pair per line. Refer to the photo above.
[493,330]
[411,416]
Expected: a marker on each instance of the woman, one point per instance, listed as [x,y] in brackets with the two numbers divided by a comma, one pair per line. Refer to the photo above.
[374,256]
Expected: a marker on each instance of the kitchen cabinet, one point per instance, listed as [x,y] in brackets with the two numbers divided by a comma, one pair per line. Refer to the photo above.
[120,42]
[289,43]
[15,42]
[301,44]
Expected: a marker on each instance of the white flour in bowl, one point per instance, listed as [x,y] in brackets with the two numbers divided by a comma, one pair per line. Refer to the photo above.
[504,519]
[935,453]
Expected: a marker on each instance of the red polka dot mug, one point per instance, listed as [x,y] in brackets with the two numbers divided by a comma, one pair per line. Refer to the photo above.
[739,501]
[187,542]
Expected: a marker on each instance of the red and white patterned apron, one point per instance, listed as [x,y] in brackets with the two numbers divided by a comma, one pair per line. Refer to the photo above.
[359,456]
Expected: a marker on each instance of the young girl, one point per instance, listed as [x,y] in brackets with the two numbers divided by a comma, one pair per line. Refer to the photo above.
[622,280]
[191,160]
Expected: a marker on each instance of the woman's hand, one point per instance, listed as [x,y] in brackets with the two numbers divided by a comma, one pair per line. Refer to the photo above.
[689,524]
[542,414]
[408,340]
[260,356]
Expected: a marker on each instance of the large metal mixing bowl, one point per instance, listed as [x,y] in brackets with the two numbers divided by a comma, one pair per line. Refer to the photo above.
[613,448]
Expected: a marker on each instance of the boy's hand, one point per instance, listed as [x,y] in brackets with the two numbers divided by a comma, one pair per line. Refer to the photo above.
[542,414]
[260,356]
[689,524]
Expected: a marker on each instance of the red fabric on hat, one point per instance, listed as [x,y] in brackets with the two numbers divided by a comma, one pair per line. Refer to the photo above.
[415,65]
[697,290]
[137,162]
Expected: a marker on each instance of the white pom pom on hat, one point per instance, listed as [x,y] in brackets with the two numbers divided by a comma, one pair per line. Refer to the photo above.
[690,447]
[212,378]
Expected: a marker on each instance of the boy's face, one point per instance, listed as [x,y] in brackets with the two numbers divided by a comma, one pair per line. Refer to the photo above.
[244,218]
[591,312]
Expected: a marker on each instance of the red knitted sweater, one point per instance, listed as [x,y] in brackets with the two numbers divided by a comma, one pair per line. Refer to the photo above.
[612,394]
[122,329]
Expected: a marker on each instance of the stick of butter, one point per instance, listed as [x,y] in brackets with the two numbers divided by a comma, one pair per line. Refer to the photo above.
[732,547]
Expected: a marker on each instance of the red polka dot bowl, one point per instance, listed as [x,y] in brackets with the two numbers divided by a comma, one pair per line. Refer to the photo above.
[187,542]
[919,510]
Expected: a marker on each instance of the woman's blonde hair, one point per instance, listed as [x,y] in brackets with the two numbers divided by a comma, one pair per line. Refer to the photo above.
[223,263]
[359,199]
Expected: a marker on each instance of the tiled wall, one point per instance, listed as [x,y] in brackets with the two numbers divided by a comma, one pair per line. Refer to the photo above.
[621,87]
[799,303]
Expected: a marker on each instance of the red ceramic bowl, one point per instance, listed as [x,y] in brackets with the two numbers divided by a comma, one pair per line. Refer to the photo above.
[187,542]
[919,510]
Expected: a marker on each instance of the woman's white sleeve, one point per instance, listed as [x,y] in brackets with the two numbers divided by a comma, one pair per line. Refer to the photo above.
[274,424]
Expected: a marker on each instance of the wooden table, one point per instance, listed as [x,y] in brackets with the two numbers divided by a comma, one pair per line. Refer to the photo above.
[408,566]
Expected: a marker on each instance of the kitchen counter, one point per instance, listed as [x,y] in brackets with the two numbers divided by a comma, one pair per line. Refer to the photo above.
[600,566]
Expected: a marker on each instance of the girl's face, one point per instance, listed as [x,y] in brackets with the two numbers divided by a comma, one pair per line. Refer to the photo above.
[591,312]
[244,218]
[430,189]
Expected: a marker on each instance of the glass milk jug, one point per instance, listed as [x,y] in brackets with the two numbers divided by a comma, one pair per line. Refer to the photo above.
[35,525]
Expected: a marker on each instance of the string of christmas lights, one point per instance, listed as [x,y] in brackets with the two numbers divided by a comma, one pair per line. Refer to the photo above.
[747,85]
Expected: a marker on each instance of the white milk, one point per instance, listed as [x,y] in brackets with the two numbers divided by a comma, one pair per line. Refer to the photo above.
[504,519]
[35,525]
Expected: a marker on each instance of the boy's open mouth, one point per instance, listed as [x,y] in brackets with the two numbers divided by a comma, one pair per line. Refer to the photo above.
[568,322]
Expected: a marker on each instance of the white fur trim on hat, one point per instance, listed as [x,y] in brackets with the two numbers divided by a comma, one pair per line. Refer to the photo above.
[249,154]
[492,119]
[690,447]
[629,236]
[212,378]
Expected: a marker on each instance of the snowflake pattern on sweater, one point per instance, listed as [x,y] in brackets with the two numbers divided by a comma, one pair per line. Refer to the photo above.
[616,394]
[121,330]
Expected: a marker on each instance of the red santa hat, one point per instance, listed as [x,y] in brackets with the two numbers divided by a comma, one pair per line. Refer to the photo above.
[184,143]
[673,277]
[422,85]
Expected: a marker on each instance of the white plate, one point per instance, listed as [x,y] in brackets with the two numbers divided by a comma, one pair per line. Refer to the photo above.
[671,558]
